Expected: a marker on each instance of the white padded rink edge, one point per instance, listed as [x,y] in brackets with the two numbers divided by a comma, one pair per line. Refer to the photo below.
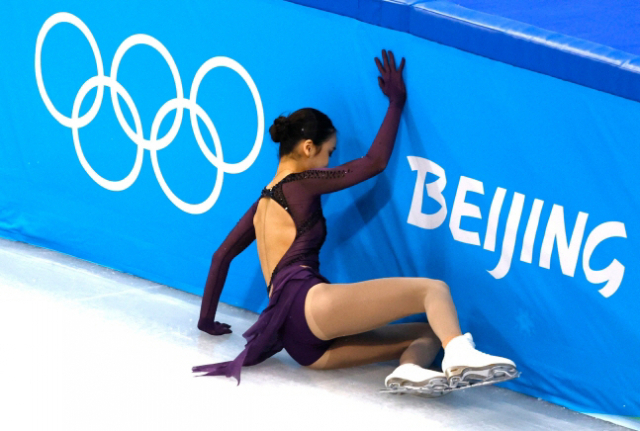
[85,347]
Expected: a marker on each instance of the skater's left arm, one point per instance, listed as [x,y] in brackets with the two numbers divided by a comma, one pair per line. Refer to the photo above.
[236,241]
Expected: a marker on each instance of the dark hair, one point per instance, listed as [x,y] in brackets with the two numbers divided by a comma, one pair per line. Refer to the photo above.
[305,123]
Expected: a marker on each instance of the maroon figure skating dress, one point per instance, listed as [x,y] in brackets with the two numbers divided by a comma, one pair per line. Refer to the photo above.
[299,194]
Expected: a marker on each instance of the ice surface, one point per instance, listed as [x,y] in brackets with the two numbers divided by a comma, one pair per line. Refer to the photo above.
[89,348]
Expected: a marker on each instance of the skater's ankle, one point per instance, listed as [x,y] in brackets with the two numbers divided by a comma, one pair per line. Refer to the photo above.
[413,364]
[447,340]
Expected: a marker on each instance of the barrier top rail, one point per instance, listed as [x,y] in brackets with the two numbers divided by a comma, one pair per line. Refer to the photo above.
[513,42]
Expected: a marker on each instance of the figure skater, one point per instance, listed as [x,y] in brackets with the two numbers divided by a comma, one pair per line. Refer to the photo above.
[325,325]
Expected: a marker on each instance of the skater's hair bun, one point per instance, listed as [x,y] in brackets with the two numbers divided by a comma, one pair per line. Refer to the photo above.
[305,123]
[279,129]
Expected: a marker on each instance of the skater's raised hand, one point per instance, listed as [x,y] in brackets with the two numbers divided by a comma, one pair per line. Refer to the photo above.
[391,81]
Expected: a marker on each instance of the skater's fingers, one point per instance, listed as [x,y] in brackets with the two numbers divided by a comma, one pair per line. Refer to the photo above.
[380,67]
[386,60]
[392,60]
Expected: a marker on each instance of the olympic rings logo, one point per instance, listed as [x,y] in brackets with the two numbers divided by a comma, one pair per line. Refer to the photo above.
[153,144]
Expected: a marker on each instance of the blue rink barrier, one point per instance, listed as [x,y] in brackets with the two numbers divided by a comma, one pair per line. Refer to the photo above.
[135,136]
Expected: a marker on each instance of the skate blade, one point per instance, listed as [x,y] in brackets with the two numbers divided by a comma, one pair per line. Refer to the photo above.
[417,392]
[434,388]
[471,376]
[467,385]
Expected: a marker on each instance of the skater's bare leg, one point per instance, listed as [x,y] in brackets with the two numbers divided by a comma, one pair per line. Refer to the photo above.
[415,341]
[337,310]
[421,351]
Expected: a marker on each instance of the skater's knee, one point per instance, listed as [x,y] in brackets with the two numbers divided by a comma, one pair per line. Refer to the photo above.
[444,285]
[433,284]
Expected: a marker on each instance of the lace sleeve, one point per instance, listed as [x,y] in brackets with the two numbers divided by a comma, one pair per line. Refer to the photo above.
[236,241]
[326,180]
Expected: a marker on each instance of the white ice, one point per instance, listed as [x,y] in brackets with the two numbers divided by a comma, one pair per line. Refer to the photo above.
[85,347]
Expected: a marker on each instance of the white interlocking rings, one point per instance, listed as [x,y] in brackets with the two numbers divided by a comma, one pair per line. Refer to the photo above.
[153,144]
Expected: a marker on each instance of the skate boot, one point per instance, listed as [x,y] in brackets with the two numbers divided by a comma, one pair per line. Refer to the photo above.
[464,366]
[412,378]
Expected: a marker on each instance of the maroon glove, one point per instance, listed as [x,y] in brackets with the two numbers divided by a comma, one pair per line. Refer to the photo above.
[391,82]
[214,328]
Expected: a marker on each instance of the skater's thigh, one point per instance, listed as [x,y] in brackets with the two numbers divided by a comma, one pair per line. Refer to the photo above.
[378,345]
[339,309]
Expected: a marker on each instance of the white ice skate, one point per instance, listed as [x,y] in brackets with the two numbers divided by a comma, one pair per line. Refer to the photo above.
[412,378]
[464,366]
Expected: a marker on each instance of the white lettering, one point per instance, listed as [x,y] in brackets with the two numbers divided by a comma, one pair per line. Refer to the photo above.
[434,190]
[462,208]
[509,240]
[613,273]
[556,232]
[494,216]
[531,230]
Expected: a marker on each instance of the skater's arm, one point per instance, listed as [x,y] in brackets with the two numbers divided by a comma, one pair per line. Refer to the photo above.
[328,180]
[236,241]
